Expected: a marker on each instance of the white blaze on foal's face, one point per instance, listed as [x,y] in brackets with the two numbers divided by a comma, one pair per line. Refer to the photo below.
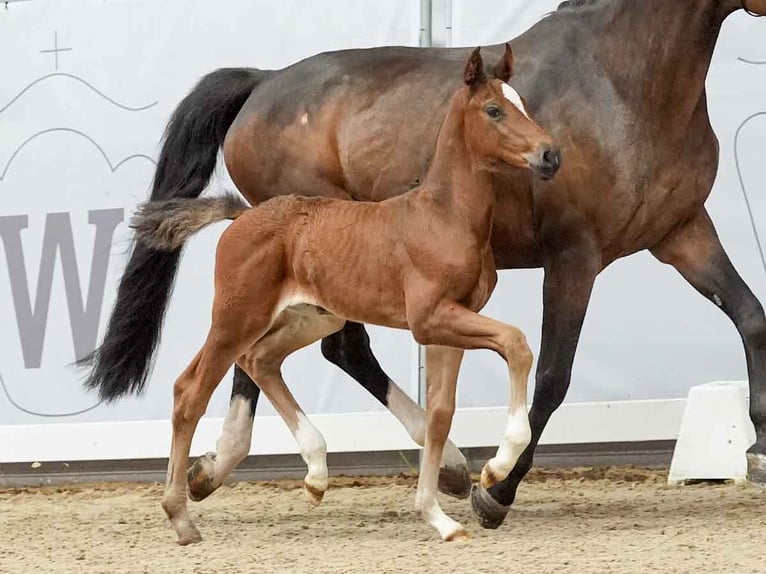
[513,96]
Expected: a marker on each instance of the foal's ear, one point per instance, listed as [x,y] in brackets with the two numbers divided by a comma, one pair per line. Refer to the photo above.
[474,70]
[504,68]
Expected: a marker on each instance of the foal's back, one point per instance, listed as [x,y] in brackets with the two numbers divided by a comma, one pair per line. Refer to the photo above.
[347,257]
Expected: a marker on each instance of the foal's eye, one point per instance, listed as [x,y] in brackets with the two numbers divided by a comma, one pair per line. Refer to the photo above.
[493,112]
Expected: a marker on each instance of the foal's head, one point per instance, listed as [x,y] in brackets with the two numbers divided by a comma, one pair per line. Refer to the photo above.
[498,128]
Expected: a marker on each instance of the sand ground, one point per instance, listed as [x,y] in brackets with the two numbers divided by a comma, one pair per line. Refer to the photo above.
[584,520]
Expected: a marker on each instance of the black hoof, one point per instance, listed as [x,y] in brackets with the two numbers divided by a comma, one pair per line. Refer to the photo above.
[488,511]
[199,479]
[756,468]
[455,481]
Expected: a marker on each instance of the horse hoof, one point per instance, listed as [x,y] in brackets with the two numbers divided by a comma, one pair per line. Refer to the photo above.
[313,494]
[190,536]
[488,511]
[199,478]
[455,481]
[488,478]
[756,469]
[460,535]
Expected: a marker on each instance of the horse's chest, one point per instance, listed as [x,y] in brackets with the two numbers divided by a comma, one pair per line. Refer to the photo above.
[474,280]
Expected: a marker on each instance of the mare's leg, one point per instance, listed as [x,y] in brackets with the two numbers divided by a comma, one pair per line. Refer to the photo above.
[350,350]
[695,251]
[454,326]
[566,291]
[294,329]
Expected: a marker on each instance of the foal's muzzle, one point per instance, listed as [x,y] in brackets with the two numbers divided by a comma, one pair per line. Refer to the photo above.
[546,161]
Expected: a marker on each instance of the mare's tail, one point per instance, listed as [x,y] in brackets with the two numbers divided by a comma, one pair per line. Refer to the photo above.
[167,225]
[188,157]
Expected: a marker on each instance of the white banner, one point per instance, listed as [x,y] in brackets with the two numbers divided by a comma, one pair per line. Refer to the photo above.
[87,87]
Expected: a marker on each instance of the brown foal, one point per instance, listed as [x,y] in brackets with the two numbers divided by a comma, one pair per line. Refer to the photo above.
[292,271]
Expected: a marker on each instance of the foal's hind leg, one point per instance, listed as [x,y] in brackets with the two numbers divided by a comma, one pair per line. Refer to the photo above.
[211,469]
[192,393]
[294,329]
[298,327]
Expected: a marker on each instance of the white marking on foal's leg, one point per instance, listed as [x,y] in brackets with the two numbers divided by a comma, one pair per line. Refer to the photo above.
[513,96]
[515,440]
[426,502]
[313,449]
[211,470]
[234,442]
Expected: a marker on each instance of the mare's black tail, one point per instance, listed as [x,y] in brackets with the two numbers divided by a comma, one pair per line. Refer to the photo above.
[188,157]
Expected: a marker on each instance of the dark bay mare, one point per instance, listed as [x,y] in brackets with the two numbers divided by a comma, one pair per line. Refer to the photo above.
[619,84]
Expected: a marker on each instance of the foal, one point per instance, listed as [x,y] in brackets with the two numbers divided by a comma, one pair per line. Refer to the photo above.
[295,269]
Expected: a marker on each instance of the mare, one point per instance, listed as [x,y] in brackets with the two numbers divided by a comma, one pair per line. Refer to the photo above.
[620,84]
[294,269]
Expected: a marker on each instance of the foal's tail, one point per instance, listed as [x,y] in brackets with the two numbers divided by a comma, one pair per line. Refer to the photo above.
[188,157]
[167,225]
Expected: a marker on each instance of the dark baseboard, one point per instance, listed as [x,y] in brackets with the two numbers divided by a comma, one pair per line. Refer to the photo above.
[644,454]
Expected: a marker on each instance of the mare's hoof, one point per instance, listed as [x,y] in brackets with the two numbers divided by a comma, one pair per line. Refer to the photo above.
[455,481]
[313,494]
[756,468]
[199,478]
[488,511]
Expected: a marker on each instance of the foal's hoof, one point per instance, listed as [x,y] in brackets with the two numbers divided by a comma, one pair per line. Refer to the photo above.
[488,511]
[189,536]
[313,494]
[199,478]
[455,481]
[488,477]
[756,468]
[460,535]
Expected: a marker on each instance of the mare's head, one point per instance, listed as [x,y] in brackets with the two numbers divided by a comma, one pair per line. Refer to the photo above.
[498,128]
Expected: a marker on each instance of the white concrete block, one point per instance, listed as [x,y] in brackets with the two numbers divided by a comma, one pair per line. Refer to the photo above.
[715,433]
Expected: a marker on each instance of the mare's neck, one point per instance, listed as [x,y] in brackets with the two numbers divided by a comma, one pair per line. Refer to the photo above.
[455,183]
[657,52]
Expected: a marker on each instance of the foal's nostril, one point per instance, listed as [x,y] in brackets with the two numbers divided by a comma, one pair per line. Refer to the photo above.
[552,158]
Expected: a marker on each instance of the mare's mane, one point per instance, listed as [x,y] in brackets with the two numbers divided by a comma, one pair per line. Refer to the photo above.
[570,4]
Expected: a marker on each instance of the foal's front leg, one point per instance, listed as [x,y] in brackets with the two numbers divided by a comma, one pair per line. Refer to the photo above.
[451,324]
[350,350]
[441,376]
